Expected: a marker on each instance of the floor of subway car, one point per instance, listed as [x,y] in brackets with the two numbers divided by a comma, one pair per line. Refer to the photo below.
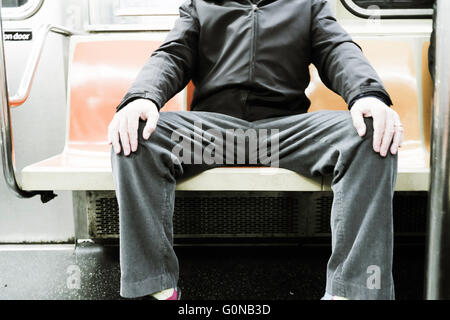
[206,273]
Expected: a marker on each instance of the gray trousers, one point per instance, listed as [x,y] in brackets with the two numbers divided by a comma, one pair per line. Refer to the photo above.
[312,144]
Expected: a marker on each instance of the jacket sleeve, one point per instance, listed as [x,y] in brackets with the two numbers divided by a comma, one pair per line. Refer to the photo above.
[341,64]
[169,68]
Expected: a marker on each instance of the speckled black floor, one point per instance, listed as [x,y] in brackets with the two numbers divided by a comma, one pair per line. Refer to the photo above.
[207,273]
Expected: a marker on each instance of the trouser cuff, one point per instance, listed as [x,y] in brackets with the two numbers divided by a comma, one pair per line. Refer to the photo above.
[357,292]
[147,286]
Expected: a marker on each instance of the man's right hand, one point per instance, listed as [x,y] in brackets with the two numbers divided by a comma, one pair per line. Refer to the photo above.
[123,129]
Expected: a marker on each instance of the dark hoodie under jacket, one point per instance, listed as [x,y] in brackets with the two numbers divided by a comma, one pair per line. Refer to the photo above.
[249,59]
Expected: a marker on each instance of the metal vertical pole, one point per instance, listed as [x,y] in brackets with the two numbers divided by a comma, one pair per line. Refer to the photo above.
[6,146]
[437,281]
[5,119]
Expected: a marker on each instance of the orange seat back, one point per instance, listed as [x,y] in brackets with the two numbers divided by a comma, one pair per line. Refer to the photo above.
[398,75]
[100,75]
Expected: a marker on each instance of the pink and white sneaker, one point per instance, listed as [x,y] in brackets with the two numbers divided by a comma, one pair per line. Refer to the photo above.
[175,296]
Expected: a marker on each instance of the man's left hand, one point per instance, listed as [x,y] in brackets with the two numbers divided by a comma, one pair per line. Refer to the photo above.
[388,130]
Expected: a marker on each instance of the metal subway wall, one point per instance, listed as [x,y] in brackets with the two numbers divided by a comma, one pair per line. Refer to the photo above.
[39,125]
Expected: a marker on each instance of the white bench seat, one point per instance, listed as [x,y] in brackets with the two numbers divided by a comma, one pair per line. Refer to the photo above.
[80,170]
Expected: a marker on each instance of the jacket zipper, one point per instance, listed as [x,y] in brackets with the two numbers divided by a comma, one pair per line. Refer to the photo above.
[253,44]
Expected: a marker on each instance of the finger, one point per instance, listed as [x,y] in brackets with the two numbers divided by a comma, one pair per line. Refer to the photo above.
[149,128]
[398,139]
[379,123]
[395,143]
[124,138]
[358,122]
[113,136]
[133,125]
[388,135]
[402,136]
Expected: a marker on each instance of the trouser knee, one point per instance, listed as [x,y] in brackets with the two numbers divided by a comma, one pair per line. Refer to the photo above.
[358,152]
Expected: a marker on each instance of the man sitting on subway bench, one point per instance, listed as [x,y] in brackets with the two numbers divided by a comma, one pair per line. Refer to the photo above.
[249,63]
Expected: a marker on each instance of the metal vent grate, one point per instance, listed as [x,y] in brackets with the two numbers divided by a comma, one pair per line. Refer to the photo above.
[409,213]
[212,214]
[106,217]
[270,214]
[323,214]
[240,216]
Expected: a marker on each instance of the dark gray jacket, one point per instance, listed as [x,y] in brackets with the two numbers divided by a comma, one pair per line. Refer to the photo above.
[251,60]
